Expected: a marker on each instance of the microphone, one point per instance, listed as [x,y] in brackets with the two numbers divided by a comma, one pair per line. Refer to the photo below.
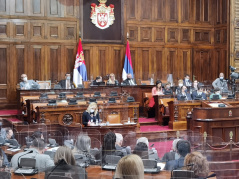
[189,165]
[152,145]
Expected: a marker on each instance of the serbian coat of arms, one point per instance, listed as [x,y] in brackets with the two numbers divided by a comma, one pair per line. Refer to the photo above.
[102,16]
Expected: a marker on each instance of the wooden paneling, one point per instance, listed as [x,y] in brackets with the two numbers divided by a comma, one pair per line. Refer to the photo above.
[40,38]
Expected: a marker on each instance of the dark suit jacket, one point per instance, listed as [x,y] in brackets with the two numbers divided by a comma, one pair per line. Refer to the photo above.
[126,82]
[127,149]
[174,164]
[63,168]
[168,156]
[194,95]
[167,91]
[187,94]
[86,118]
[63,84]
[184,82]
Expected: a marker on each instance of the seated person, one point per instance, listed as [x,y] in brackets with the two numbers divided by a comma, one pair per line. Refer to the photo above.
[172,155]
[183,148]
[36,151]
[180,84]
[157,90]
[119,142]
[98,80]
[216,92]
[144,140]
[187,82]
[195,85]
[83,144]
[108,147]
[220,83]
[184,95]
[37,134]
[141,149]
[199,94]
[112,80]
[65,164]
[90,116]
[67,83]
[200,164]
[167,89]
[130,167]
[3,159]
[129,81]
[28,84]
[7,134]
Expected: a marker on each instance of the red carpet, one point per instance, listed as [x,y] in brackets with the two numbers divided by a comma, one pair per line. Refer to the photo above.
[9,112]
[141,120]
[162,147]
[154,128]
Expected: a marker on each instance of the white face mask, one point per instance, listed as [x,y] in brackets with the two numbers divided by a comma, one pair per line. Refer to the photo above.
[92,110]
[199,93]
[180,84]
[25,79]
[221,78]
[68,78]
[218,92]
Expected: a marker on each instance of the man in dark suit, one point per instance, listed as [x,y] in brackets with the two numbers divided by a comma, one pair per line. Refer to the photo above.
[184,95]
[187,82]
[129,81]
[183,148]
[199,94]
[67,83]
[119,142]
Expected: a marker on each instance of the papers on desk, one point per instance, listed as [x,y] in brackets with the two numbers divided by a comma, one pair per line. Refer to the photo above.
[116,124]
[214,105]
[131,123]
[53,149]
[161,165]
[13,150]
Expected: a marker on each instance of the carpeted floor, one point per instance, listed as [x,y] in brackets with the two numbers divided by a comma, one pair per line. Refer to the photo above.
[142,120]
[9,112]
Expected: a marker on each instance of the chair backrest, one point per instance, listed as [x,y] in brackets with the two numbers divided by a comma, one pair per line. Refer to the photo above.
[44,84]
[145,82]
[113,118]
[165,101]
[149,163]
[87,84]
[112,159]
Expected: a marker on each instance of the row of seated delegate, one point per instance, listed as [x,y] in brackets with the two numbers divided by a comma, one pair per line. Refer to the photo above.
[73,157]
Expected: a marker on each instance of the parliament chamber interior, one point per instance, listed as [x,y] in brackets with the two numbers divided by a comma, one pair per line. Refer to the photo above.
[119,89]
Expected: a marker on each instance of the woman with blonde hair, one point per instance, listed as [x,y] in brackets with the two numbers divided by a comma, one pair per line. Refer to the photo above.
[130,167]
[65,164]
[112,80]
[196,162]
[90,116]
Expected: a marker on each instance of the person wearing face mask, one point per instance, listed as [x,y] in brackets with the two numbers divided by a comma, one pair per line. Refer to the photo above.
[199,94]
[184,95]
[220,83]
[67,83]
[187,82]
[130,80]
[90,116]
[180,84]
[216,92]
[28,84]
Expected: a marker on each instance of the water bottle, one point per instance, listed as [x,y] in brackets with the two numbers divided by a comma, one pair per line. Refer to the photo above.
[128,119]
[97,123]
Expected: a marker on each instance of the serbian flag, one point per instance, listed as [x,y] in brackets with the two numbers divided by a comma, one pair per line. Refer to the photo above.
[128,68]
[79,73]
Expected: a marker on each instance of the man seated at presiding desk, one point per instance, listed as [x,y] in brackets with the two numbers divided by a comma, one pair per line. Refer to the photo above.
[67,83]
[98,81]
[199,94]
[220,83]
[184,95]
[36,151]
[26,84]
[130,80]
[91,115]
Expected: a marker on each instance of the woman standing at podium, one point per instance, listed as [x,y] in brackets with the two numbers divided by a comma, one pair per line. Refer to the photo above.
[157,90]
[91,115]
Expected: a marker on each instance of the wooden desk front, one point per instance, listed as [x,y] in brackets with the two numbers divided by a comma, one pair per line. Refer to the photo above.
[72,114]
